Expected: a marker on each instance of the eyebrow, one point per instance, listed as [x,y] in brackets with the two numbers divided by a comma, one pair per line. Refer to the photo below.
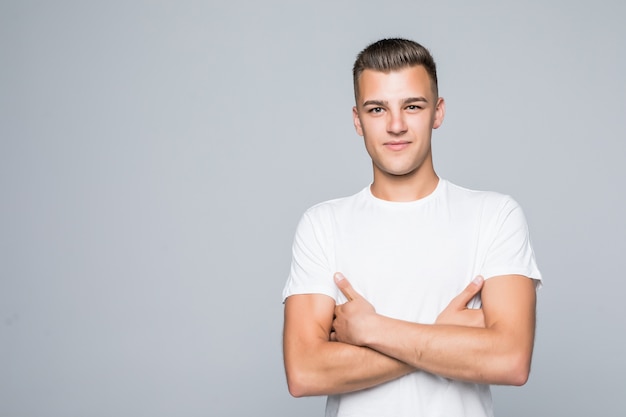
[383,103]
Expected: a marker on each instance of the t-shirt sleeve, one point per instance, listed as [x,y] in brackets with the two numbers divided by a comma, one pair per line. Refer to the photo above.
[510,250]
[311,259]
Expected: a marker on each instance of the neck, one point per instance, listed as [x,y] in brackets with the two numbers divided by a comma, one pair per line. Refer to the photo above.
[403,188]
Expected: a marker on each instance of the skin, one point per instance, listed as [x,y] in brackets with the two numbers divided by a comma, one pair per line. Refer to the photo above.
[396,113]
[331,349]
[316,364]
[498,353]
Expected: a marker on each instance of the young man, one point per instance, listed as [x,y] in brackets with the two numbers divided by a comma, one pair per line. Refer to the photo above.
[414,329]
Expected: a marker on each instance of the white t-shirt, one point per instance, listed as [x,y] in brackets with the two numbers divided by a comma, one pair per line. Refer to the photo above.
[409,259]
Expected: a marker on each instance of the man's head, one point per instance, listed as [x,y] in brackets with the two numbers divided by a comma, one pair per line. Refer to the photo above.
[397,108]
[395,54]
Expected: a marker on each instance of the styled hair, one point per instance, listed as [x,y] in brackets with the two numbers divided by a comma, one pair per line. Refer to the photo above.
[394,54]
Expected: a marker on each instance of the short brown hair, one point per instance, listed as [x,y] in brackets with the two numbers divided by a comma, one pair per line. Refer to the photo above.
[394,54]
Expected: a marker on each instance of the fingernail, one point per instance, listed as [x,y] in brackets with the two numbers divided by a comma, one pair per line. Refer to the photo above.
[339,276]
[477,280]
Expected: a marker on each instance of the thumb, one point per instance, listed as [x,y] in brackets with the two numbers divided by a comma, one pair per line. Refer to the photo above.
[344,285]
[469,292]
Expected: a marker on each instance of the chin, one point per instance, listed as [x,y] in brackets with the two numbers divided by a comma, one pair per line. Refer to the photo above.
[399,172]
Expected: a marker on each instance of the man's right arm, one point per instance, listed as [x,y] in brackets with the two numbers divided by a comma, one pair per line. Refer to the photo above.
[315,365]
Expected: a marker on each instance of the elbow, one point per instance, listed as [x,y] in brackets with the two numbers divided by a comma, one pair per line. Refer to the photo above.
[518,378]
[517,371]
[307,382]
[295,387]
[296,391]
[303,374]
[299,383]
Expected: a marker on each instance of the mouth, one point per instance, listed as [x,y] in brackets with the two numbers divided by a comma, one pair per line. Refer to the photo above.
[397,145]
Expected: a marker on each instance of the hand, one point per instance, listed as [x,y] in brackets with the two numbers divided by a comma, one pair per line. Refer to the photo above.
[457,313]
[352,318]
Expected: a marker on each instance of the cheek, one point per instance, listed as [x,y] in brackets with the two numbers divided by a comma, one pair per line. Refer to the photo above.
[367,142]
[373,128]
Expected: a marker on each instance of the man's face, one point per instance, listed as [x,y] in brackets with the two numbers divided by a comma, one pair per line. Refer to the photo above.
[395,114]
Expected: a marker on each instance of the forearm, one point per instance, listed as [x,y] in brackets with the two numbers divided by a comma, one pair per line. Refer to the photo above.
[329,368]
[315,365]
[482,355]
[497,353]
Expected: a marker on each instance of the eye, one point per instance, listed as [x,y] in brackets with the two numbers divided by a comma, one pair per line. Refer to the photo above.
[413,107]
[375,110]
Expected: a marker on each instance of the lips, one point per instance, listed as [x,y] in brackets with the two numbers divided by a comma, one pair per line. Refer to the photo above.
[396,145]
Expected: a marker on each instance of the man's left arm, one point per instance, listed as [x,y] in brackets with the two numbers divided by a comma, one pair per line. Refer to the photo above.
[499,353]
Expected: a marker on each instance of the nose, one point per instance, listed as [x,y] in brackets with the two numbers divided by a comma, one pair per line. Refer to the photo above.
[396,124]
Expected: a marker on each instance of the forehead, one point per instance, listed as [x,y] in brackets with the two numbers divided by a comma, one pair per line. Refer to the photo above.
[406,82]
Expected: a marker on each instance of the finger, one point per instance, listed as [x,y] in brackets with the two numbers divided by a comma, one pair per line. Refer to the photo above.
[472,289]
[345,287]
[469,292]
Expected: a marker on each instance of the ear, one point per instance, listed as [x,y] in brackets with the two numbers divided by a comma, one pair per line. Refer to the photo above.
[440,112]
[357,121]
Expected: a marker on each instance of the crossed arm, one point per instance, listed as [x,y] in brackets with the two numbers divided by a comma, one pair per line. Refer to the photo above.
[359,348]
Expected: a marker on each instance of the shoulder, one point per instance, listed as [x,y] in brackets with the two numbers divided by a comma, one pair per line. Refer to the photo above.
[486,200]
[332,208]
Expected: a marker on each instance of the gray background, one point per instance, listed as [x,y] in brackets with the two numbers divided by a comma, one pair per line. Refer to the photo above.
[155,158]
